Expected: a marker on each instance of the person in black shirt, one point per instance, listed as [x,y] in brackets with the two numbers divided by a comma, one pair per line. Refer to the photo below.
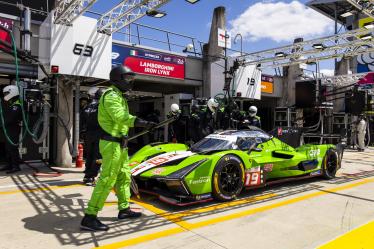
[12,113]
[92,136]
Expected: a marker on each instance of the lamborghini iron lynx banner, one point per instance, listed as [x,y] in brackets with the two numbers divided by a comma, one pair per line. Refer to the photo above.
[148,62]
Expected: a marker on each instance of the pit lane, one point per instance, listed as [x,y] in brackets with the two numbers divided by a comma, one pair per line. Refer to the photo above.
[46,212]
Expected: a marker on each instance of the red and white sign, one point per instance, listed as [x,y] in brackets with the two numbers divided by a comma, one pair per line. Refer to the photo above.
[155,68]
[8,24]
[367,80]
[253,177]
[224,38]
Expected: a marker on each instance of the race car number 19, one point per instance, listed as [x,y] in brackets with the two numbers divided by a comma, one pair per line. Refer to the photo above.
[253,177]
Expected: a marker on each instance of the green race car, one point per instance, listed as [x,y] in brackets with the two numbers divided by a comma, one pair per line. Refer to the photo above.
[222,164]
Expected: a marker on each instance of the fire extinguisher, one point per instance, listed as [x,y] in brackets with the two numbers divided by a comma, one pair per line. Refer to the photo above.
[79,162]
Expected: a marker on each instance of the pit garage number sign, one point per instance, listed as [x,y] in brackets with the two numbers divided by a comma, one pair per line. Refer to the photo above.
[148,62]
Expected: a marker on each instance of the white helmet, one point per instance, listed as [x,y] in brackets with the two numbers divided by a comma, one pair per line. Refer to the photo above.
[174,108]
[92,91]
[212,104]
[10,92]
[252,111]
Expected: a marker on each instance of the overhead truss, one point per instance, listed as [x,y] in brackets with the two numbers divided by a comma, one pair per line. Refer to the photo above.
[347,44]
[366,6]
[67,11]
[125,13]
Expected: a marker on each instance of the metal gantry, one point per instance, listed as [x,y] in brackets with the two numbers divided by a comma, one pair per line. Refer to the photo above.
[347,44]
[366,6]
[67,11]
[125,13]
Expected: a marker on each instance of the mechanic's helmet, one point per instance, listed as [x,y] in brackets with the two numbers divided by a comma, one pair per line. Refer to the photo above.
[252,111]
[92,92]
[212,104]
[122,77]
[10,92]
[174,108]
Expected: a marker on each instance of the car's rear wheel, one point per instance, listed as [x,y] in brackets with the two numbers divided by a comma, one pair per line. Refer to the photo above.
[228,178]
[330,164]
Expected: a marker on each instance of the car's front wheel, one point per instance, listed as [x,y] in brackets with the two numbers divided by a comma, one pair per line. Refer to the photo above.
[330,164]
[228,178]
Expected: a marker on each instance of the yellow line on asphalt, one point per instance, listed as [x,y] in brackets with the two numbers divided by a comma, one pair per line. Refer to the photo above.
[359,238]
[39,189]
[141,239]
[189,226]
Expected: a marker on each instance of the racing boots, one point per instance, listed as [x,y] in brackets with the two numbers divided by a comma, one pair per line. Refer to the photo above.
[128,213]
[92,223]
[89,181]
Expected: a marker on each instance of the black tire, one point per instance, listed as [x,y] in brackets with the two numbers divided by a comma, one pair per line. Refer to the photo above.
[330,164]
[228,178]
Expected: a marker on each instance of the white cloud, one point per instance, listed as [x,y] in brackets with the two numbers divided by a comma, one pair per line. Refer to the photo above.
[327,72]
[280,22]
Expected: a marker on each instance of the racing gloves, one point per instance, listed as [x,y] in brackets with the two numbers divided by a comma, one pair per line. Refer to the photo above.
[144,124]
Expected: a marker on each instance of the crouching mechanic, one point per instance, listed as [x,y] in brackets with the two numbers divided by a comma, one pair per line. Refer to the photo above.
[115,120]
[252,119]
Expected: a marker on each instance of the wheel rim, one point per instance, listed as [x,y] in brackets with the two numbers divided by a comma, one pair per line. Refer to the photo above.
[230,179]
[332,162]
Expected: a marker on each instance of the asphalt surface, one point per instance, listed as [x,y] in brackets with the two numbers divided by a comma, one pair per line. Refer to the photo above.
[45,212]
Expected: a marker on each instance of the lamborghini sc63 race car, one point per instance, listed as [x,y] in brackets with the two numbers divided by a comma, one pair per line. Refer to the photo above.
[221,165]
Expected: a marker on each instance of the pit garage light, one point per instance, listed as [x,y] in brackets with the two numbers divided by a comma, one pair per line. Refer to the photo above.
[366,37]
[318,46]
[155,13]
[193,1]
[347,14]
[54,69]
[280,54]
[369,25]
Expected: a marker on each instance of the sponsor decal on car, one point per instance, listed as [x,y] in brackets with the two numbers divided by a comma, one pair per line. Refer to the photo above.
[202,179]
[203,196]
[159,160]
[158,171]
[314,152]
[315,173]
[268,167]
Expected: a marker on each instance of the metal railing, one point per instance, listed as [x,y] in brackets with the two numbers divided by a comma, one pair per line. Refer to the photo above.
[141,34]
[145,35]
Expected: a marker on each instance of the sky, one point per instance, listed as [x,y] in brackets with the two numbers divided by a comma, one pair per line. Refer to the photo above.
[263,24]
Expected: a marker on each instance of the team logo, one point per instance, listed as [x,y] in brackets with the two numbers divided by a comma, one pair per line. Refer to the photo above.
[158,171]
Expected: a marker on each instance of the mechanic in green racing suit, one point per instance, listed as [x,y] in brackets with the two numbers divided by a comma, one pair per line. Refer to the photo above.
[115,120]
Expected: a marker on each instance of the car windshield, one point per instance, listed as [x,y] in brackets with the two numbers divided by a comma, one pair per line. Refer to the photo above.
[211,144]
[230,140]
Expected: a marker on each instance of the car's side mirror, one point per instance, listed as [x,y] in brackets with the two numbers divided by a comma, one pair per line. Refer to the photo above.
[253,147]
[257,149]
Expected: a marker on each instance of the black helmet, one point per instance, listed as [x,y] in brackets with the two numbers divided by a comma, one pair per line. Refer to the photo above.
[122,77]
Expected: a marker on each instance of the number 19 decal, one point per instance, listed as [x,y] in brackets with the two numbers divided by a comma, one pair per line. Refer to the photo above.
[253,178]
